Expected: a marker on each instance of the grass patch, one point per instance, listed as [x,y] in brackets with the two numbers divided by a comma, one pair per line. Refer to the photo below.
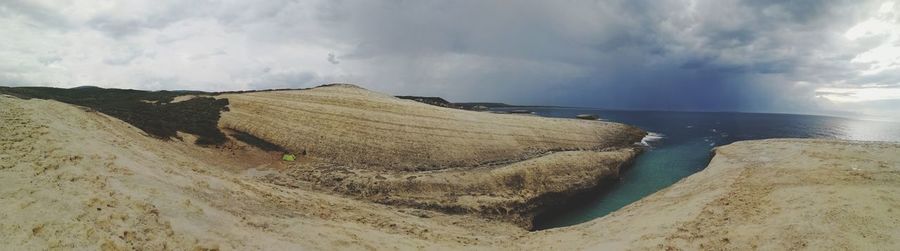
[152,112]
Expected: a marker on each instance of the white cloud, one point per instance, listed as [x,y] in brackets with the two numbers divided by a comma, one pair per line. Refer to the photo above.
[156,45]
[859,94]
[884,55]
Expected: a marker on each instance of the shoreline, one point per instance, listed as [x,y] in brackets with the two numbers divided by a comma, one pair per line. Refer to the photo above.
[764,194]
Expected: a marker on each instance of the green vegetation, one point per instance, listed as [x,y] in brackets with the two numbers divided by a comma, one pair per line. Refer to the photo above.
[436,101]
[152,112]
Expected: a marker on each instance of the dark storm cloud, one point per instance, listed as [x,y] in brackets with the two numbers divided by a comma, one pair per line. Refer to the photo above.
[332,58]
[697,55]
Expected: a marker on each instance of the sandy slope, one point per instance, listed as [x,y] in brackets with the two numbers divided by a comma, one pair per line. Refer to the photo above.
[352,126]
[393,151]
[514,193]
[80,180]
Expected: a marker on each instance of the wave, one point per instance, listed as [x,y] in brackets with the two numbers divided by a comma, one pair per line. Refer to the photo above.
[651,139]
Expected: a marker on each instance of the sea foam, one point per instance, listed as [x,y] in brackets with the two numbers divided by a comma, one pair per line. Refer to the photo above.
[651,138]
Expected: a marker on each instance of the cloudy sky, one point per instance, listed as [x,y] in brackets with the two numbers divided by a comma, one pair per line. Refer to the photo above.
[805,56]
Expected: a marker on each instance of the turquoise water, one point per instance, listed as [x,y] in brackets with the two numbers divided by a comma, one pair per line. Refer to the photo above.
[684,147]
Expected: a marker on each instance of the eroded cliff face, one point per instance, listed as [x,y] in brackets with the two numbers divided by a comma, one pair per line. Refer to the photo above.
[513,192]
[380,148]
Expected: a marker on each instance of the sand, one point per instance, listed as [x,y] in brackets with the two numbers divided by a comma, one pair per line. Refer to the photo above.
[514,193]
[393,151]
[352,126]
[74,179]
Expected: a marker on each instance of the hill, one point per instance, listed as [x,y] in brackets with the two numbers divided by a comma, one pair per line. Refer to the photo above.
[384,149]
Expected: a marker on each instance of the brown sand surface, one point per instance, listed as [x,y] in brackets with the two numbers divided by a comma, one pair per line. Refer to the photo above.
[82,180]
[351,126]
[380,148]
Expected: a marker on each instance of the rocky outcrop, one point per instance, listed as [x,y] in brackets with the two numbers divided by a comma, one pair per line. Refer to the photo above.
[587,116]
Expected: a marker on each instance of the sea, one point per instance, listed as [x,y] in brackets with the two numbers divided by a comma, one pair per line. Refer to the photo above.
[680,143]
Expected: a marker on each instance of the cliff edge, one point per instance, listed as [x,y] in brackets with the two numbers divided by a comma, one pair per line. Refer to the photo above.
[400,152]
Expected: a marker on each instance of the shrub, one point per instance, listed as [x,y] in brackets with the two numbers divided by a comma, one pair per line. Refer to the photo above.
[152,112]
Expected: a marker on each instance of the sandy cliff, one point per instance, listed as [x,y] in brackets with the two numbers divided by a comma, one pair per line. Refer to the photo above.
[400,152]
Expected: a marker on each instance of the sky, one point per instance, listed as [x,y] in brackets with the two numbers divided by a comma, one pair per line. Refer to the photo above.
[806,56]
